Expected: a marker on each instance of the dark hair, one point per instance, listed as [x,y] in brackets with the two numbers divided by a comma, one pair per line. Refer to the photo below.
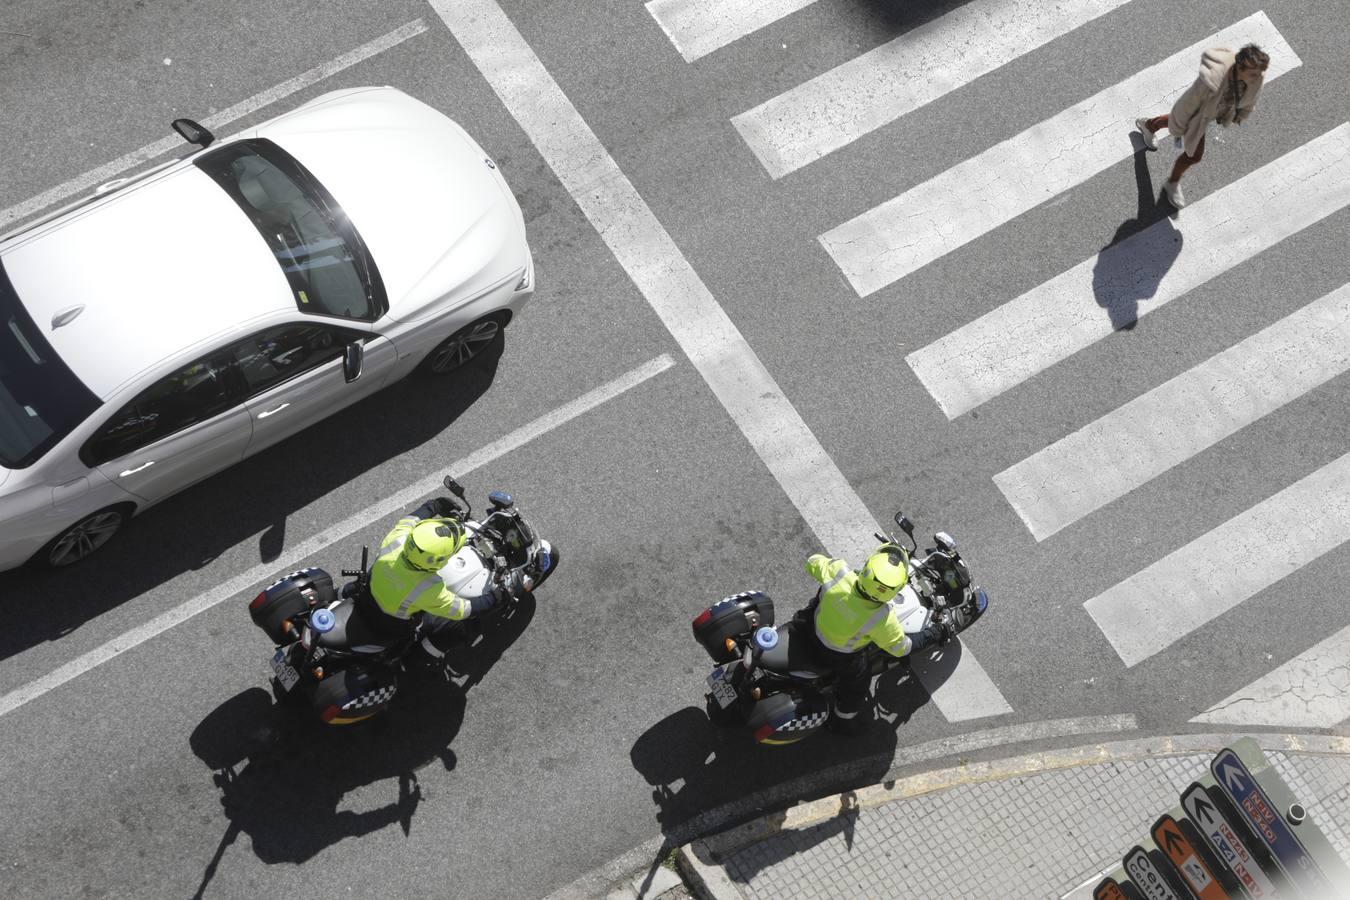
[1253,57]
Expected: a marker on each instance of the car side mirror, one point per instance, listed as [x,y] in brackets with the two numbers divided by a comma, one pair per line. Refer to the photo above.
[193,133]
[352,359]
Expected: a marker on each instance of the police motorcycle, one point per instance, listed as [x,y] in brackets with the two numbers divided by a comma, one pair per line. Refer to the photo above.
[344,663]
[765,678]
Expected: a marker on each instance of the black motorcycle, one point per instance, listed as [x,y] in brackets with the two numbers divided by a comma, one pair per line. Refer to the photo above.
[766,678]
[339,653]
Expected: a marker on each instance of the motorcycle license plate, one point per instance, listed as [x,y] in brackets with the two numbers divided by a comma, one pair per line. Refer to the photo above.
[723,693]
[285,673]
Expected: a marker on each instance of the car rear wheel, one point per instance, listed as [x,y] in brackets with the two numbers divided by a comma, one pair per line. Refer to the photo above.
[464,345]
[81,539]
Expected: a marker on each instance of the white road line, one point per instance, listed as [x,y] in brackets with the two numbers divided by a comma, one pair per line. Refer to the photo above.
[265,572]
[1139,441]
[224,117]
[836,108]
[698,27]
[1312,690]
[1155,608]
[1144,272]
[712,342]
[974,197]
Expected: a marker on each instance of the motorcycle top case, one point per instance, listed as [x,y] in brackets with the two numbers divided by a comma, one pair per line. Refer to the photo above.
[289,596]
[736,616]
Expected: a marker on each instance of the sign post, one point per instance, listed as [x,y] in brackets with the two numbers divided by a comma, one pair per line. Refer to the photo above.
[1184,858]
[1147,877]
[1220,834]
[1266,822]
[1111,889]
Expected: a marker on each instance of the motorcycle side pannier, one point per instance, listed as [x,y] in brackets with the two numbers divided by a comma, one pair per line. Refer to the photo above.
[735,616]
[783,719]
[289,596]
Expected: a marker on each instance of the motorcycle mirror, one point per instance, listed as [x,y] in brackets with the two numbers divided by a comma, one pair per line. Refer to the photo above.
[905,524]
[453,486]
[945,541]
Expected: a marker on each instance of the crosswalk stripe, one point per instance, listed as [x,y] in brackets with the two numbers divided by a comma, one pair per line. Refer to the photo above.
[733,372]
[990,189]
[1055,320]
[698,27]
[1312,690]
[1158,606]
[1139,441]
[838,107]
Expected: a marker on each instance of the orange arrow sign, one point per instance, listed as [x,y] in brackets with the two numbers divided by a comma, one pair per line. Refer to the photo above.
[1108,890]
[1186,861]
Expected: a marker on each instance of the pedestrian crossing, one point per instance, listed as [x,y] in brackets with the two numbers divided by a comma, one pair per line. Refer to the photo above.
[698,27]
[819,116]
[1015,341]
[1022,338]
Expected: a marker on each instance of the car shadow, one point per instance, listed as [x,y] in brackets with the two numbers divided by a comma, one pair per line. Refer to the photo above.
[1130,268]
[900,16]
[282,774]
[255,497]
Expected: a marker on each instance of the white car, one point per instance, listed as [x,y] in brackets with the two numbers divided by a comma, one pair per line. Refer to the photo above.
[179,321]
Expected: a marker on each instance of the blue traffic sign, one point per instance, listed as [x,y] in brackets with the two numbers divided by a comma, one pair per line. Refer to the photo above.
[1266,821]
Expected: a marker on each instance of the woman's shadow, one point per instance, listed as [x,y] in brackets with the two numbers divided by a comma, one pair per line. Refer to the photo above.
[1132,266]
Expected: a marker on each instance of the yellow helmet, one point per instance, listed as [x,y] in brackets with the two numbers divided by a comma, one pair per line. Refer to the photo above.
[884,574]
[432,542]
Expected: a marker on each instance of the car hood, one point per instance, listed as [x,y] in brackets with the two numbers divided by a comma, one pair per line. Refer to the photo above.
[433,210]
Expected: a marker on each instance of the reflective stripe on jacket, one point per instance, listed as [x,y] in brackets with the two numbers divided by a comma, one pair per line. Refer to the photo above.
[400,590]
[846,622]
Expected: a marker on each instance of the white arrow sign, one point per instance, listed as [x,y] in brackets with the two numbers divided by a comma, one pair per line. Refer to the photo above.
[1222,837]
[1233,777]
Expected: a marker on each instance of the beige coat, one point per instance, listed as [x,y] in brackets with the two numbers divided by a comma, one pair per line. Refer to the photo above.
[1199,106]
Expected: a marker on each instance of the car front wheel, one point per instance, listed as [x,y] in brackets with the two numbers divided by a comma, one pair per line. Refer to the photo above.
[464,345]
[81,539]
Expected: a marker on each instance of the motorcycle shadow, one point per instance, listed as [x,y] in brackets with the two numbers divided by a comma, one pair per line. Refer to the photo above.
[283,776]
[706,778]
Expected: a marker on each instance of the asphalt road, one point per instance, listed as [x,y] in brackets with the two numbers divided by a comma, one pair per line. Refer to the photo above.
[163,772]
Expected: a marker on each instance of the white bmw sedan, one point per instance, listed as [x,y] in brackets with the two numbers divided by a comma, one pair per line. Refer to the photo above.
[177,322]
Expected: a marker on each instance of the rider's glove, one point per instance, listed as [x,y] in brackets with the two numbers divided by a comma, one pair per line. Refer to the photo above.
[436,508]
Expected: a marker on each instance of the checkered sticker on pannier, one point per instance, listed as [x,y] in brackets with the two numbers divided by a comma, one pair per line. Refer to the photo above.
[374,698]
[805,723]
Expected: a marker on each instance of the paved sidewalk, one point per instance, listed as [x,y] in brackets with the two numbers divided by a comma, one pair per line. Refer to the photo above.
[1044,825]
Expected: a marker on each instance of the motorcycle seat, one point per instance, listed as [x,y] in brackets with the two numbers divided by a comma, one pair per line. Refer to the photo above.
[352,632]
[792,656]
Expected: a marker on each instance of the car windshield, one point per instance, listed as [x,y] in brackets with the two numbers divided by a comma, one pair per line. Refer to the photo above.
[324,259]
[41,400]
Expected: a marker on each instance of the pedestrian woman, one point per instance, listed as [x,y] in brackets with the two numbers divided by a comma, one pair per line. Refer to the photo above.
[1225,92]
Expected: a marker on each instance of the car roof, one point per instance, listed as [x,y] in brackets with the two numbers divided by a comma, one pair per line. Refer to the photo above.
[162,267]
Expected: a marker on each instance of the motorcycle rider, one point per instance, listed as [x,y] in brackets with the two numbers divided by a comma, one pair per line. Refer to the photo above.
[404,578]
[854,609]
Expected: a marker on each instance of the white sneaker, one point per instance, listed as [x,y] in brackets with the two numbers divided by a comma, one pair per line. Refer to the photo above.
[1174,195]
[1149,140]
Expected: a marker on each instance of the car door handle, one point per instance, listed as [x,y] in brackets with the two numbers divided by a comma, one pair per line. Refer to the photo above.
[142,467]
[263,415]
